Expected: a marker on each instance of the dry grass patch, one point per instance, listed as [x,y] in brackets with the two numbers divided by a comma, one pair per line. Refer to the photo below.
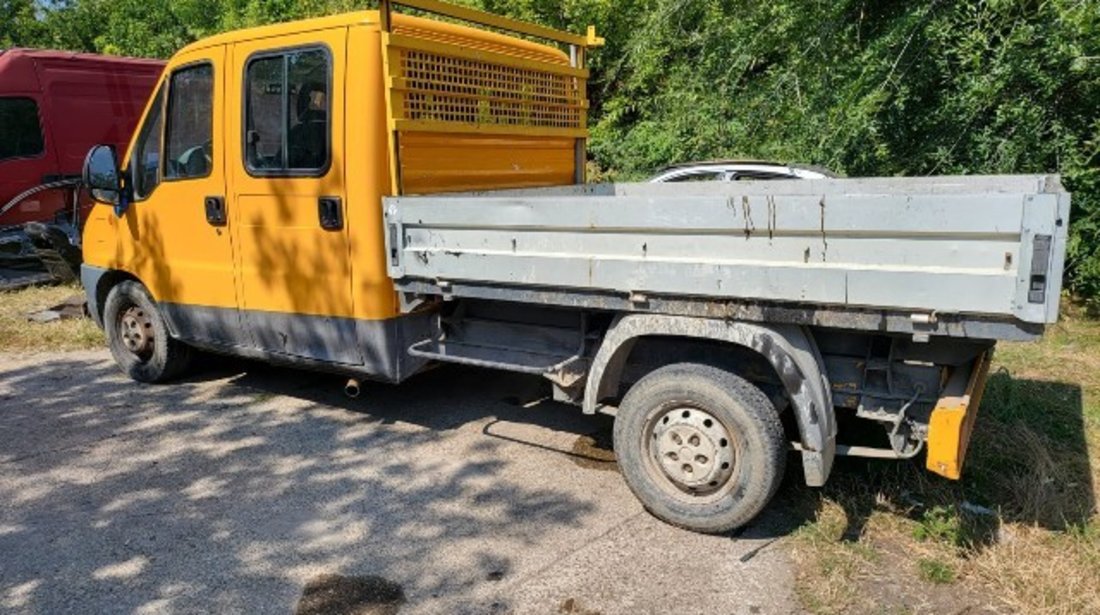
[832,569]
[1041,571]
[19,335]
[1020,532]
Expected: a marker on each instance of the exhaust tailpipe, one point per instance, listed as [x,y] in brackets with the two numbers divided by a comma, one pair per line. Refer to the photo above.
[351,389]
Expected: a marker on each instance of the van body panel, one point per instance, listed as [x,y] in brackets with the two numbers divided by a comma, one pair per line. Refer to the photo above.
[372,291]
[82,100]
[433,163]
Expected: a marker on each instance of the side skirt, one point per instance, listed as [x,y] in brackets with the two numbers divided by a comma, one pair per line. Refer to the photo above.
[374,349]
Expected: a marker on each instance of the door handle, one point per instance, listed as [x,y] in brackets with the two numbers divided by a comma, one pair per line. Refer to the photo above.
[330,213]
[215,210]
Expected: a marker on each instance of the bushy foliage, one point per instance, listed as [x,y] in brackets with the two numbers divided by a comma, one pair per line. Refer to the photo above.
[865,87]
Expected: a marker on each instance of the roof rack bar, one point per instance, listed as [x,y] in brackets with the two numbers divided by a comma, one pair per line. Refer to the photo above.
[489,19]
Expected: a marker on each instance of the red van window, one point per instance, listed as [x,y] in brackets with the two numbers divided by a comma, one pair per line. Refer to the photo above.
[20,133]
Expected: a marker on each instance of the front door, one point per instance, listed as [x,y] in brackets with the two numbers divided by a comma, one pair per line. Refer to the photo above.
[289,198]
[177,222]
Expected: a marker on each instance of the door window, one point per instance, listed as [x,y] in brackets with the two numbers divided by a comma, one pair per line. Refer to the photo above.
[287,130]
[145,163]
[20,132]
[189,145]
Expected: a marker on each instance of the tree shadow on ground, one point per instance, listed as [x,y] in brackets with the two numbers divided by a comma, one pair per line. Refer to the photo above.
[264,493]
[517,398]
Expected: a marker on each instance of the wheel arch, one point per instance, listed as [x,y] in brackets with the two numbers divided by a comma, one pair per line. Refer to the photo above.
[789,349]
[97,284]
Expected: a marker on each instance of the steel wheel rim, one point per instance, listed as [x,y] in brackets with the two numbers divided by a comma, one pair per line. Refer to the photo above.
[691,452]
[135,330]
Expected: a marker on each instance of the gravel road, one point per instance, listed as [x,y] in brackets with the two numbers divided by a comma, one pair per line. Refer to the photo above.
[253,489]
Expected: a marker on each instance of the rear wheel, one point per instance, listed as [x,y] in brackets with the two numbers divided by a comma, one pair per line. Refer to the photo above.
[138,337]
[700,447]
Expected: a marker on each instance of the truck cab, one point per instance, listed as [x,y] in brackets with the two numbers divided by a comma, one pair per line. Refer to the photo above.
[249,204]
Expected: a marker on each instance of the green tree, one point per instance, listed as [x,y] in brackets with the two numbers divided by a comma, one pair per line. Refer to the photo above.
[865,87]
[20,25]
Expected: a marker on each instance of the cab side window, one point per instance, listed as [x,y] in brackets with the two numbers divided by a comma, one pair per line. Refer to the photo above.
[287,128]
[145,161]
[189,145]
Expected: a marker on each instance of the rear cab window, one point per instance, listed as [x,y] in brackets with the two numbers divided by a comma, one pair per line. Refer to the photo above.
[20,128]
[287,110]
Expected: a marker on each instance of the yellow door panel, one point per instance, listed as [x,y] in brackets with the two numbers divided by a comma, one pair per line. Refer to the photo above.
[287,264]
[289,200]
[177,171]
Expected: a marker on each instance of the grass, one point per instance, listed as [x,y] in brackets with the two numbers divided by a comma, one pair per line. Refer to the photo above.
[1019,532]
[17,334]
[935,570]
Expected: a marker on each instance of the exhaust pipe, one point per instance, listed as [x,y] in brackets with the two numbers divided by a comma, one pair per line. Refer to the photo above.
[351,389]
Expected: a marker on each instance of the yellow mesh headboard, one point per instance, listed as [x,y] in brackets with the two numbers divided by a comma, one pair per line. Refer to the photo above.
[474,109]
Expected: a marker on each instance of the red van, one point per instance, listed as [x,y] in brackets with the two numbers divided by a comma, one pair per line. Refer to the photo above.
[55,105]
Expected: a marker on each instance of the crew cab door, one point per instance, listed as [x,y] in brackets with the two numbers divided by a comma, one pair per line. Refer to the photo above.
[174,235]
[289,196]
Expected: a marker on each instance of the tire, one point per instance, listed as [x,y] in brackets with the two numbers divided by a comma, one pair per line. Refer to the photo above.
[713,417]
[139,338]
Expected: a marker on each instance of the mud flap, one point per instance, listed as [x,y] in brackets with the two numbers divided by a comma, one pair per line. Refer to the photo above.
[952,420]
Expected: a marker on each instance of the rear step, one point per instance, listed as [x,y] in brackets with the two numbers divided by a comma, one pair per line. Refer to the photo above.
[544,341]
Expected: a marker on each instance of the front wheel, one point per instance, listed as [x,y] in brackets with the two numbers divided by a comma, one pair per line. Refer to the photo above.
[138,337]
[700,447]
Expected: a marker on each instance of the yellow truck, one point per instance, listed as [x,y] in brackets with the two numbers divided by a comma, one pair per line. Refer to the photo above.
[372,193]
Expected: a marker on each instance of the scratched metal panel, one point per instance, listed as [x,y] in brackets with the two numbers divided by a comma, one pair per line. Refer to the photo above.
[877,215]
[729,248]
[959,245]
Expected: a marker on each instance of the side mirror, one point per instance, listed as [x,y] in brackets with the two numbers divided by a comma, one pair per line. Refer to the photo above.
[101,174]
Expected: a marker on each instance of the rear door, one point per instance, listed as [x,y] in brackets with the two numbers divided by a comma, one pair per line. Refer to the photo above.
[289,198]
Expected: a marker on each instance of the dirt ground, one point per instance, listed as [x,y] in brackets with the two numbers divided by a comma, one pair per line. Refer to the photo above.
[262,490]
